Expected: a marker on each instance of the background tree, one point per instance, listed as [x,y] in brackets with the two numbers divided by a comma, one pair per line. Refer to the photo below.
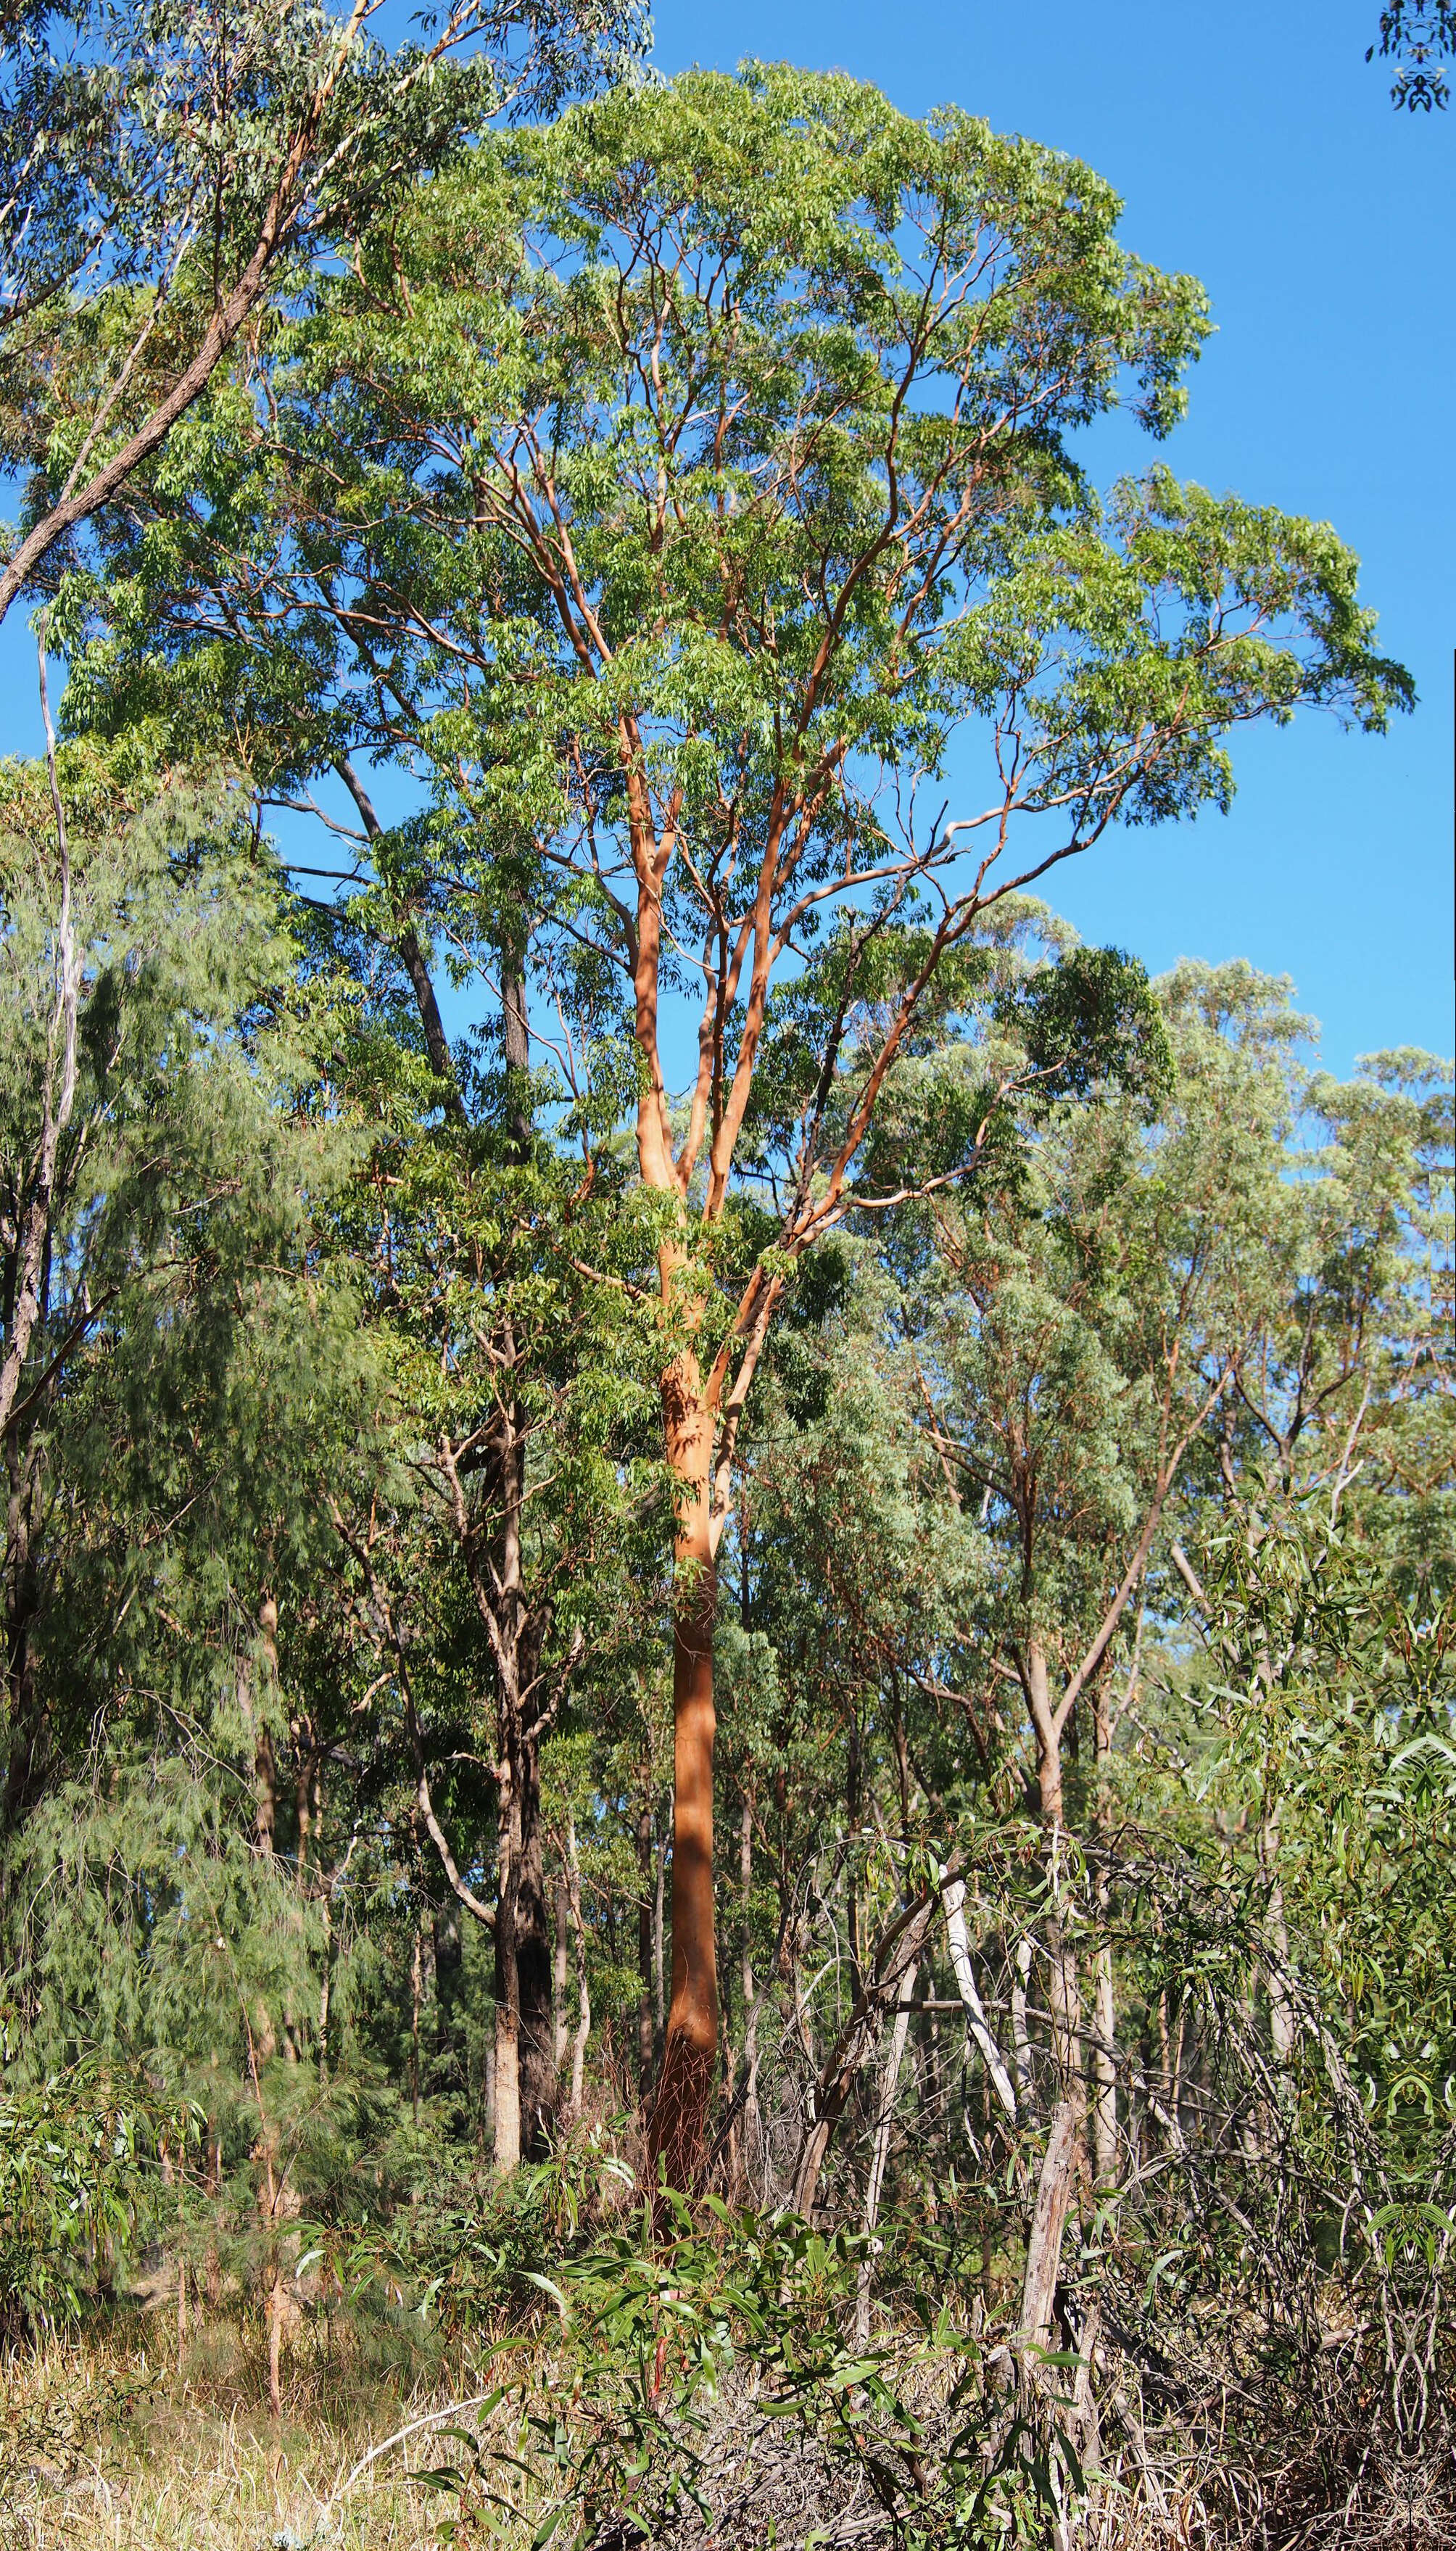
[135,1176]
[496,1553]
[160,170]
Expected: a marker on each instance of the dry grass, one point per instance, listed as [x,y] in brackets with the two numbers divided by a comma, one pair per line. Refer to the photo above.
[109,2443]
[111,2448]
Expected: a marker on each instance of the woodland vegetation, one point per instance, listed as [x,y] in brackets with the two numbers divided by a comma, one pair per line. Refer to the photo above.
[726,1766]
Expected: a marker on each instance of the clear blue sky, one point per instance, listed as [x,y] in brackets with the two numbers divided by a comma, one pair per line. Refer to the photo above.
[1252,145]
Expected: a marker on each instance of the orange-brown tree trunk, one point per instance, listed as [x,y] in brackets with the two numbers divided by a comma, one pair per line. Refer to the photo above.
[676,2134]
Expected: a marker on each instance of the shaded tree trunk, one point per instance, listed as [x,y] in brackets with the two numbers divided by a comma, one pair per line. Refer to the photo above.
[645,2031]
[507,2136]
[1044,2245]
[537,2050]
[880,2149]
[658,1976]
[1105,2006]
[525,2048]
[448,1957]
[584,2000]
[560,1971]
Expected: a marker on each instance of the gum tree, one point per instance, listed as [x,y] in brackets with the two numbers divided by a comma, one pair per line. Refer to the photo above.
[667,489]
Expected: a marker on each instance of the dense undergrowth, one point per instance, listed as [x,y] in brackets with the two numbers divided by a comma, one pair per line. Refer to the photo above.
[565,2371]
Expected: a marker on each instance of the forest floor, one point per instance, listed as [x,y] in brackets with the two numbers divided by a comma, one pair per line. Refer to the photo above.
[105,2445]
[114,2445]
[109,2443]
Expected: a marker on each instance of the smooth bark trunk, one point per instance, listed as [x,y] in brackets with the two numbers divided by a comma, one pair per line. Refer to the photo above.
[677,2130]
[977,2026]
[1281,2015]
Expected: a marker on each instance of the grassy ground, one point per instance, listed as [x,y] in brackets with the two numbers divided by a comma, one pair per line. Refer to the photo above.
[110,2446]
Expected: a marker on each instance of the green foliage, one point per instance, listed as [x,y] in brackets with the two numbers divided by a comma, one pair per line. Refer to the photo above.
[1091,1020]
[648,498]
[81,2158]
[1337,1711]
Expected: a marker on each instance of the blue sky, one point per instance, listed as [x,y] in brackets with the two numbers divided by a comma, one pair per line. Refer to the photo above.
[1253,147]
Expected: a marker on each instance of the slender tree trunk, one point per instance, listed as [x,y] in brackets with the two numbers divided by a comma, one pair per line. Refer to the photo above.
[645,2032]
[1064,1990]
[977,2026]
[560,1971]
[1104,2070]
[1105,2006]
[445,1941]
[880,2149]
[525,2048]
[677,2130]
[1020,2036]
[507,1977]
[1281,2017]
[584,2004]
[852,1811]
[1049,2217]
[265,1765]
[325,1983]
[659,1962]
[537,2050]
[1164,2073]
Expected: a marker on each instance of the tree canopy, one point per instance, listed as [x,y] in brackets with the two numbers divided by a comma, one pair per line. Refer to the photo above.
[728,1575]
